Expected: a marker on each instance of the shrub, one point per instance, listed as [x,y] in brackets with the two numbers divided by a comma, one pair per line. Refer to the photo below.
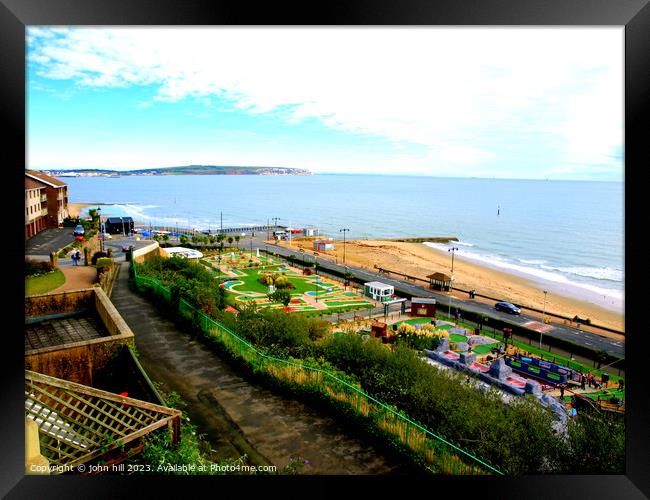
[104,262]
[281,281]
[97,255]
[405,329]
[280,295]
[37,267]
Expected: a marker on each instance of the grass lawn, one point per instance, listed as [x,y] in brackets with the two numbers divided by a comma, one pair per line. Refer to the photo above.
[44,283]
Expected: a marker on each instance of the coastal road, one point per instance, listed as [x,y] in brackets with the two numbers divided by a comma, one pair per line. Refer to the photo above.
[589,339]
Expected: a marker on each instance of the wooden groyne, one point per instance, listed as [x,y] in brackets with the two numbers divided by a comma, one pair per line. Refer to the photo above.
[434,239]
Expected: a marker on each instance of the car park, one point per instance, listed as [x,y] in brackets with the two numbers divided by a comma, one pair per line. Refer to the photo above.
[507,307]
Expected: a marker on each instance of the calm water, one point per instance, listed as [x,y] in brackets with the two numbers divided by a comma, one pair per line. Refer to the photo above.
[567,234]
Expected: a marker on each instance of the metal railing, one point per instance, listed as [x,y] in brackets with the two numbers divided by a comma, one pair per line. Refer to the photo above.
[440,455]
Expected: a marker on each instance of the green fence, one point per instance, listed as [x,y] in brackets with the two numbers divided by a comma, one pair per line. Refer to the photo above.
[441,455]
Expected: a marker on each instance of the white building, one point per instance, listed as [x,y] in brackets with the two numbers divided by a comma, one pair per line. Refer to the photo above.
[186,253]
[379,291]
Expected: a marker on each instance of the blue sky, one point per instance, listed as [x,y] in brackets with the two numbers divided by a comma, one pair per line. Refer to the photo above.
[477,102]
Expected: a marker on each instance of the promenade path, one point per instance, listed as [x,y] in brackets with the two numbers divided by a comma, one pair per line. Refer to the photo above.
[238,416]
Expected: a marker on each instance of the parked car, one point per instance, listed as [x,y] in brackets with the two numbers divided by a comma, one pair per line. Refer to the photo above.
[507,307]
[79,231]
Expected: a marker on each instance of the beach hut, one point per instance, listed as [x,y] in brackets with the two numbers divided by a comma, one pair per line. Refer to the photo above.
[439,281]
[379,291]
[323,245]
[423,307]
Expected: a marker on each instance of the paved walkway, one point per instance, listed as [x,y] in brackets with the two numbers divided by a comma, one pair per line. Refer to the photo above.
[238,416]
[76,277]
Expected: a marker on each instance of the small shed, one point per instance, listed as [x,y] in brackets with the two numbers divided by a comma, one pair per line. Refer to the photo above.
[119,225]
[439,281]
[424,307]
[377,290]
[323,245]
[378,329]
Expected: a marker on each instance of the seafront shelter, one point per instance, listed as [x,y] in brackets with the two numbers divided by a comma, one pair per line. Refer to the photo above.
[423,307]
[378,291]
[439,281]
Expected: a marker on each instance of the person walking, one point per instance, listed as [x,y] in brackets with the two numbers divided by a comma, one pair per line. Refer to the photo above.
[77,256]
[74,258]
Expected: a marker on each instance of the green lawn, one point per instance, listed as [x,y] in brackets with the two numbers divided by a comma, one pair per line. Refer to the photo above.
[45,283]
[302,285]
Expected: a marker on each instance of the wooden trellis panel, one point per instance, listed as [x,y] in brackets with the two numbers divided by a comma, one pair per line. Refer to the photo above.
[77,423]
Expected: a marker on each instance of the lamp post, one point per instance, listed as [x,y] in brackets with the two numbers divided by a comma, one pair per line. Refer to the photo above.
[123,230]
[344,230]
[101,230]
[543,319]
[275,219]
[451,286]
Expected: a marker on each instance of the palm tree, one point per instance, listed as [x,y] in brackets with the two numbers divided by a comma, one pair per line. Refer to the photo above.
[237,238]
[230,240]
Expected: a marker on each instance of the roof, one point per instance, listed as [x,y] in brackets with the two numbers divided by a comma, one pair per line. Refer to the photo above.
[44,178]
[422,300]
[439,277]
[230,309]
[183,252]
[378,284]
[118,220]
[32,184]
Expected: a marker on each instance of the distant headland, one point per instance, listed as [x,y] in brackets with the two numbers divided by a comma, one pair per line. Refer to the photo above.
[186,170]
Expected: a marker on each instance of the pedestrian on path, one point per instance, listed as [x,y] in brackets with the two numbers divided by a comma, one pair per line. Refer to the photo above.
[74,258]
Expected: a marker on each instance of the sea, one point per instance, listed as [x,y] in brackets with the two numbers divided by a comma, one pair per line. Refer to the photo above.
[567,236]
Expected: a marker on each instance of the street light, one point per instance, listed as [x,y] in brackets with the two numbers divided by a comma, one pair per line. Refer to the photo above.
[101,229]
[123,230]
[543,319]
[453,250]
[276,219]
[344,230]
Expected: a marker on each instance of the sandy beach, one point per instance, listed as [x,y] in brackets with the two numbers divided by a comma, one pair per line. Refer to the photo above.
[74,209]
[416,259]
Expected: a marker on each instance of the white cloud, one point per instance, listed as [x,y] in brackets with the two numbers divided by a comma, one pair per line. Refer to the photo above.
[445,89]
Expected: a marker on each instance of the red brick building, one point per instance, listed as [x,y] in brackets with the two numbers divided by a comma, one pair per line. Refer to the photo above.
[423,307]
[46,202]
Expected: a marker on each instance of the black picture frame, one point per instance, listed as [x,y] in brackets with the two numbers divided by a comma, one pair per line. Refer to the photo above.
[15,15]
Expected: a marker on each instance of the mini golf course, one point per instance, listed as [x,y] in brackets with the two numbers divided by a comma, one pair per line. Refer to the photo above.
[308,293]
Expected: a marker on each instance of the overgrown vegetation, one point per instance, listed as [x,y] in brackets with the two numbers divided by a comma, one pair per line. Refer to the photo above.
[188,280]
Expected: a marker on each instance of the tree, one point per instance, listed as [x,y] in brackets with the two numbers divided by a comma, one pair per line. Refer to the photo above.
[94,216]
[230,240]
[220,238]
[237,238]
[166,238]
[282,295]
